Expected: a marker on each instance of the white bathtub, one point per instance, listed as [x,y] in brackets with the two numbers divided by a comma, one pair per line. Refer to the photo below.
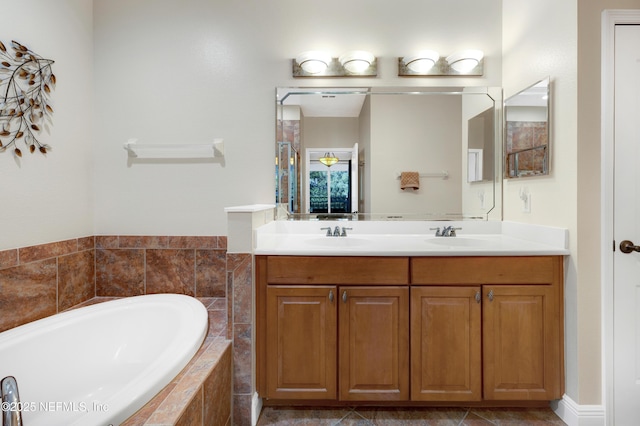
[99,364]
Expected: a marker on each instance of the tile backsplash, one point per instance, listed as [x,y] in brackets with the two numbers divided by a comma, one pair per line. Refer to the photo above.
[42,280]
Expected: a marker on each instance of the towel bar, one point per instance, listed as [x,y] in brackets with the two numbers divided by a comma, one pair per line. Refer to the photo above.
[204,150]
[443,174]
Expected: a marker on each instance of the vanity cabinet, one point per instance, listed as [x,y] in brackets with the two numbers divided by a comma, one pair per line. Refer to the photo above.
[301,342]
[412,329]
[374,343]
[333,328]
[446,344]
[513,303]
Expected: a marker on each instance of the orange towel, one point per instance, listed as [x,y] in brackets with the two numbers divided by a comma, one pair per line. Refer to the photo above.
[409,180]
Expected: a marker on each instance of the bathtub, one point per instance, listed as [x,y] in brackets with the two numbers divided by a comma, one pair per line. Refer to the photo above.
[99,364]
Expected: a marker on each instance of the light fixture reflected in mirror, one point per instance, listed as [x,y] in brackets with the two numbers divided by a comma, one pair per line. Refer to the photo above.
[328,159]
[422,61]
[465,61]
[428,63]
[357,63]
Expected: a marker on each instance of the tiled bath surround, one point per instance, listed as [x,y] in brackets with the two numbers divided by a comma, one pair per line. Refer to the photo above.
[39,281]
[43,280]
[201,394]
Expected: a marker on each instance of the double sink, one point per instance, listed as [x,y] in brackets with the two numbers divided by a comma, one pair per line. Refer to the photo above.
[407,238]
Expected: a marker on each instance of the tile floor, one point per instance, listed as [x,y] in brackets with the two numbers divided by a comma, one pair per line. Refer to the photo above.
[371,416]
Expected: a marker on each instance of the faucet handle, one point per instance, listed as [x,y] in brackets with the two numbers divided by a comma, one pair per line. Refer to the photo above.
[344,231]
[328,229]
[453,231]
[438,234]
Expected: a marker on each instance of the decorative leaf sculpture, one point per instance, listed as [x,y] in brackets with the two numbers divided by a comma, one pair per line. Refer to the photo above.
[26,81]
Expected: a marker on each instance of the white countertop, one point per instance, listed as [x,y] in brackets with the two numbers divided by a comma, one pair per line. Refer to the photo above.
[305,238]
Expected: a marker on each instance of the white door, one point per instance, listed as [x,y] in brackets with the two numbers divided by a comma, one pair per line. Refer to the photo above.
[626,266]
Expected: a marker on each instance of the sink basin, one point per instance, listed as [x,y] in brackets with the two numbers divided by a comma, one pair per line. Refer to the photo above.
[338,242]
[461,242]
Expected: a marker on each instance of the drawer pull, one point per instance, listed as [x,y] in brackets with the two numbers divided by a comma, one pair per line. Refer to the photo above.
[331,296]
[344,296]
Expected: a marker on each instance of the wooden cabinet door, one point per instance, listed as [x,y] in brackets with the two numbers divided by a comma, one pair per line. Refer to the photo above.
[374,343]
[301,342]
[522,353]
[446,338]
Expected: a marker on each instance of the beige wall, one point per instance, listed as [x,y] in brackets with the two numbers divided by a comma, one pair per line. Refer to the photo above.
[50,198]
[540,40]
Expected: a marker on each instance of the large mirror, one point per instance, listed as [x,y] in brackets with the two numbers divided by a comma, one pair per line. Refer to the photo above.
[389,153]
[527,132]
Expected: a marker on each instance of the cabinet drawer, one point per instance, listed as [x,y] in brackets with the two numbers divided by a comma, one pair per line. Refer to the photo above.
[352,270]
[486,269]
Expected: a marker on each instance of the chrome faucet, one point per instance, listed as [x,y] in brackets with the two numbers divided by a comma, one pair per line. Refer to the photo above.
[344,231]
[11,415]
[337,232]
[447,231]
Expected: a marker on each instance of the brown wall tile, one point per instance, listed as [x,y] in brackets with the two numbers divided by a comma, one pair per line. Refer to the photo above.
[107,241]
[46,251]
[27,293]
[217,393]
[86,243]
[8,258]
[192,415]
[76,279]
[242,409]
[242,287]
[222,242]
[120,272]
[242,359]
[197,242]
[211,266]
[140,241]
[171,271]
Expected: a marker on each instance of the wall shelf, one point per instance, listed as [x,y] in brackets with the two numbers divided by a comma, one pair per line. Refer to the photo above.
[204,150]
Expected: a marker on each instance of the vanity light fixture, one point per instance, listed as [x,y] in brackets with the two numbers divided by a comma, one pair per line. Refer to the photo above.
[422,61]
[465,61]
[328,159]
[427,63]
[313,62]
[357,63]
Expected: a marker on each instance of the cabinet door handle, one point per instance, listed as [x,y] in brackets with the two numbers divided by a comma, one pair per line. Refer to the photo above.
[490,295]
[331,296]
[344,296]
[478,296]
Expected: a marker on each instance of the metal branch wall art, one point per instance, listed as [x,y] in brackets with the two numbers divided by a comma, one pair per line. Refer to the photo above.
[26,82]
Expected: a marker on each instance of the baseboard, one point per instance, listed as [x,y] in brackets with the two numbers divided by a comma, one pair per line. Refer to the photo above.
[574,414]
[256,407]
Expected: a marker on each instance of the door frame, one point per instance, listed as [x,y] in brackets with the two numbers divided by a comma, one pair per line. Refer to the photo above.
[610,18]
